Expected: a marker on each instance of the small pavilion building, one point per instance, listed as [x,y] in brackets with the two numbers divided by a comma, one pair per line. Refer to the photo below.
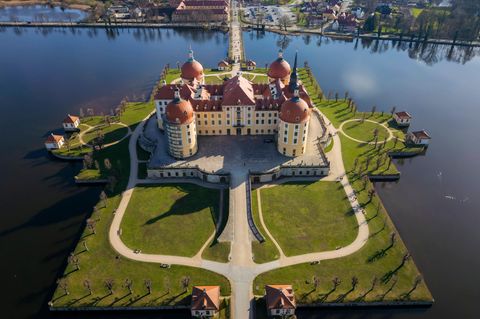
[223,65]
[251,65]
[280,300]
[205,301]
[71,123]
[54,142]
[419,138]
[402,118]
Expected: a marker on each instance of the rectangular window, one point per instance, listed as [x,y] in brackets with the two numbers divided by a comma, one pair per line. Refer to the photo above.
[219,122]
[205,115]
[213,131]
[284,140]
[256,121]
[228,115]
[269,114]
[206,132]
[274,121]
[294,141]
[249,122]
[206,122]
[213,122]
[228,122]
[286,133]
[263,121]
[269,121]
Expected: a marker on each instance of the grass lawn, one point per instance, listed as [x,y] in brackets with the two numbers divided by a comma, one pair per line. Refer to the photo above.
[101,263]
[112,133]
[317,215]
[97,263]
[170,219]
[416,12]
[219,251]
[266,251]
[329,146]
[89,174]
[377,259]
[365,131]
[73,152]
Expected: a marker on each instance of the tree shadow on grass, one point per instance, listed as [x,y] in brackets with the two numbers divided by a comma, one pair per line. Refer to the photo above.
[192,202]
[119,299]
[74,301]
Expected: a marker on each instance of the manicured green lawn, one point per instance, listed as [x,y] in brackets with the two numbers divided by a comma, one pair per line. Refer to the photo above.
[378,258]
[170,219]
[89,174]
[266,251]
[365,131]
[219,251]
[366,264]
[112,133]
[308,217]
[101,263]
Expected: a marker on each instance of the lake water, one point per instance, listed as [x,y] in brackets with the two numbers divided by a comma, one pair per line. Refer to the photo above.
[45,74]
[41,13]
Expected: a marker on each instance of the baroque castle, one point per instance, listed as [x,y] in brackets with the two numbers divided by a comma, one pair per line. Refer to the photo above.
[237,107]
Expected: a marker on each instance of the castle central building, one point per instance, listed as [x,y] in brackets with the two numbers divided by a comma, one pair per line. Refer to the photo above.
[236,107]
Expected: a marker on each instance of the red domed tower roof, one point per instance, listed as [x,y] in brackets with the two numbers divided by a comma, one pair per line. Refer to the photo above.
[294,110]
[179,111]
[279,69]
[192,69]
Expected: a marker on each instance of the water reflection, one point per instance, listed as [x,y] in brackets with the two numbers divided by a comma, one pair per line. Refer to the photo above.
[429,53]
[145,35]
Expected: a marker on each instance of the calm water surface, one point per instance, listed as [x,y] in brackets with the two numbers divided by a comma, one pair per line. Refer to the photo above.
[45,74]
[41,13]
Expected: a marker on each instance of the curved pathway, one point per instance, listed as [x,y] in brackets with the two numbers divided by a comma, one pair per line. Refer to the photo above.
[390,133]
[241,270]
[82,142]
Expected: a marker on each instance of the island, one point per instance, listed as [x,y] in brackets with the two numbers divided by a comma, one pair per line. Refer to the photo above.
[238,190]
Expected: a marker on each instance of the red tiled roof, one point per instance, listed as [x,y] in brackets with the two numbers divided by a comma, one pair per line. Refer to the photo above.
[167,92]
[200,11]
[71,119]
[179,111]
[205,3]
[294,110]
[279,69]
[206,298]
[52,138]
[403,115]
[280,297]
[421,135]
[207,105]
[223,63]
[238,90]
